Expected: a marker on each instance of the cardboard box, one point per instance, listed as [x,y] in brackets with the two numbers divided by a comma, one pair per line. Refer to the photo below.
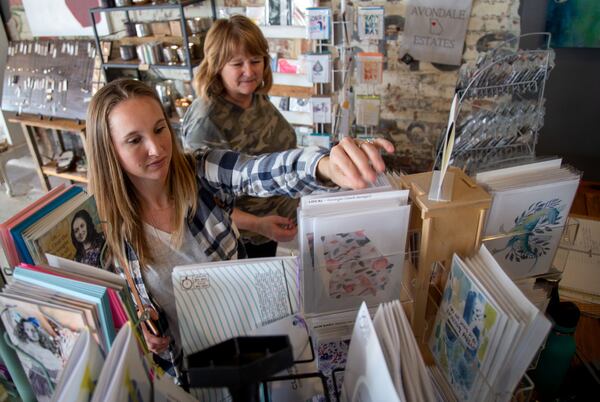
[161,28]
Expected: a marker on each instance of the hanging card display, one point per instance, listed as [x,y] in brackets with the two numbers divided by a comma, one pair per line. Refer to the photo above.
[319,67]
[321,110]
[370,23]
[369,67]
[367,110]
[319,23]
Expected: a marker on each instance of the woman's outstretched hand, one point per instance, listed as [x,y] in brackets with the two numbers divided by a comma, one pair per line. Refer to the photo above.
[354,163]
[277,228]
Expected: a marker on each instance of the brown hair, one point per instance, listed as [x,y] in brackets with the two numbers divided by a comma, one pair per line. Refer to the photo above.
[223,40]
[118,203]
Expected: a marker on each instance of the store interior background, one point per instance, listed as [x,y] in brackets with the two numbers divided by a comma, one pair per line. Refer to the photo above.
[570,128]
[571,121]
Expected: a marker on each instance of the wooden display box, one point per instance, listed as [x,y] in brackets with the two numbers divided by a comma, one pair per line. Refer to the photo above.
[445,228]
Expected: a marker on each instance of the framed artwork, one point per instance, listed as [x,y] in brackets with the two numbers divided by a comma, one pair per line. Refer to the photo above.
[573,23]
[64,17]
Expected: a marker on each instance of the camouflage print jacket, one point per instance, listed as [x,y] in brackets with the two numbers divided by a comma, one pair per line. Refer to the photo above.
[254,131]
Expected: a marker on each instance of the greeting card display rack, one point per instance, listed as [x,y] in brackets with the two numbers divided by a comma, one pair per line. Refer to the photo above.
[502,97]
[434,226]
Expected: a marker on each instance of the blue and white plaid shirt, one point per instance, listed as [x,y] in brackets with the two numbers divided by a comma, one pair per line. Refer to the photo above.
[221,176]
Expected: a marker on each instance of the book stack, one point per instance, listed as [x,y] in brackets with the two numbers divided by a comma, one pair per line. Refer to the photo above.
[63,222]
[486,332]
[44,309]
[529,209]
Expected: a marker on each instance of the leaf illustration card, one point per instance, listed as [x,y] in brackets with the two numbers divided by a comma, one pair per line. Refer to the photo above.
[526,254]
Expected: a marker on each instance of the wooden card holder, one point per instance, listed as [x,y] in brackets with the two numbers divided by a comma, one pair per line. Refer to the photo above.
[445,228]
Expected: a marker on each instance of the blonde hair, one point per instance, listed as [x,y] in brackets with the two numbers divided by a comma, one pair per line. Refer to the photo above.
[224,39]
[118,203]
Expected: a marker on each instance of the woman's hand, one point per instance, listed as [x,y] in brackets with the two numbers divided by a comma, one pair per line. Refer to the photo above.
[354,163]
[156,344]
[274,227]
[277,228]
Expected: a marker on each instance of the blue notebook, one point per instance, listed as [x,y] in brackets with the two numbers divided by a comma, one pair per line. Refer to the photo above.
[84,291]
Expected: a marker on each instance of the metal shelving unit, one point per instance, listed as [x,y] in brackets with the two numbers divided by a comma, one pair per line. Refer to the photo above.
[504,98]
[189,63]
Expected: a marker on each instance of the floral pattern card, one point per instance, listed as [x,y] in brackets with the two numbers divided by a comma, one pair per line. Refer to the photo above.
[355,265]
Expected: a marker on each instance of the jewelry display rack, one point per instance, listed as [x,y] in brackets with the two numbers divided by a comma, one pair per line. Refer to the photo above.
[502,98]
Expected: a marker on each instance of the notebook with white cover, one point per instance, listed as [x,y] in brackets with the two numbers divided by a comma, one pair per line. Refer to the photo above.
[125,375]
[305,360]
[81,373]
[218,301]
[221,300]
[366,378]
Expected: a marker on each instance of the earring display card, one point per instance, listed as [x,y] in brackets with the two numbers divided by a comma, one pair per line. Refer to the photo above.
[367,110]
[369,67]
[370,23]
[319,67]
[319,23]
[321,110]
[49,77]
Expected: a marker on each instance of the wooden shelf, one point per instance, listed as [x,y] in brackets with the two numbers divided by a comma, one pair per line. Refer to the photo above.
[135,63]
[50,170]
[58,126]
[291,91]
[48,122]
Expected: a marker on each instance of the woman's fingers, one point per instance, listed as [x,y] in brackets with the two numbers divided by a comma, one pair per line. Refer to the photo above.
[343,169]
[373,148]
[355,163]
[156,344]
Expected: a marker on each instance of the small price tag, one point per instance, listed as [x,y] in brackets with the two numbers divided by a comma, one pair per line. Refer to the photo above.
[144,67]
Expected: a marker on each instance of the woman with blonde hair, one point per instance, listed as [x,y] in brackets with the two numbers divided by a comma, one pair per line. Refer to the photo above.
[164,208]
[233,111]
